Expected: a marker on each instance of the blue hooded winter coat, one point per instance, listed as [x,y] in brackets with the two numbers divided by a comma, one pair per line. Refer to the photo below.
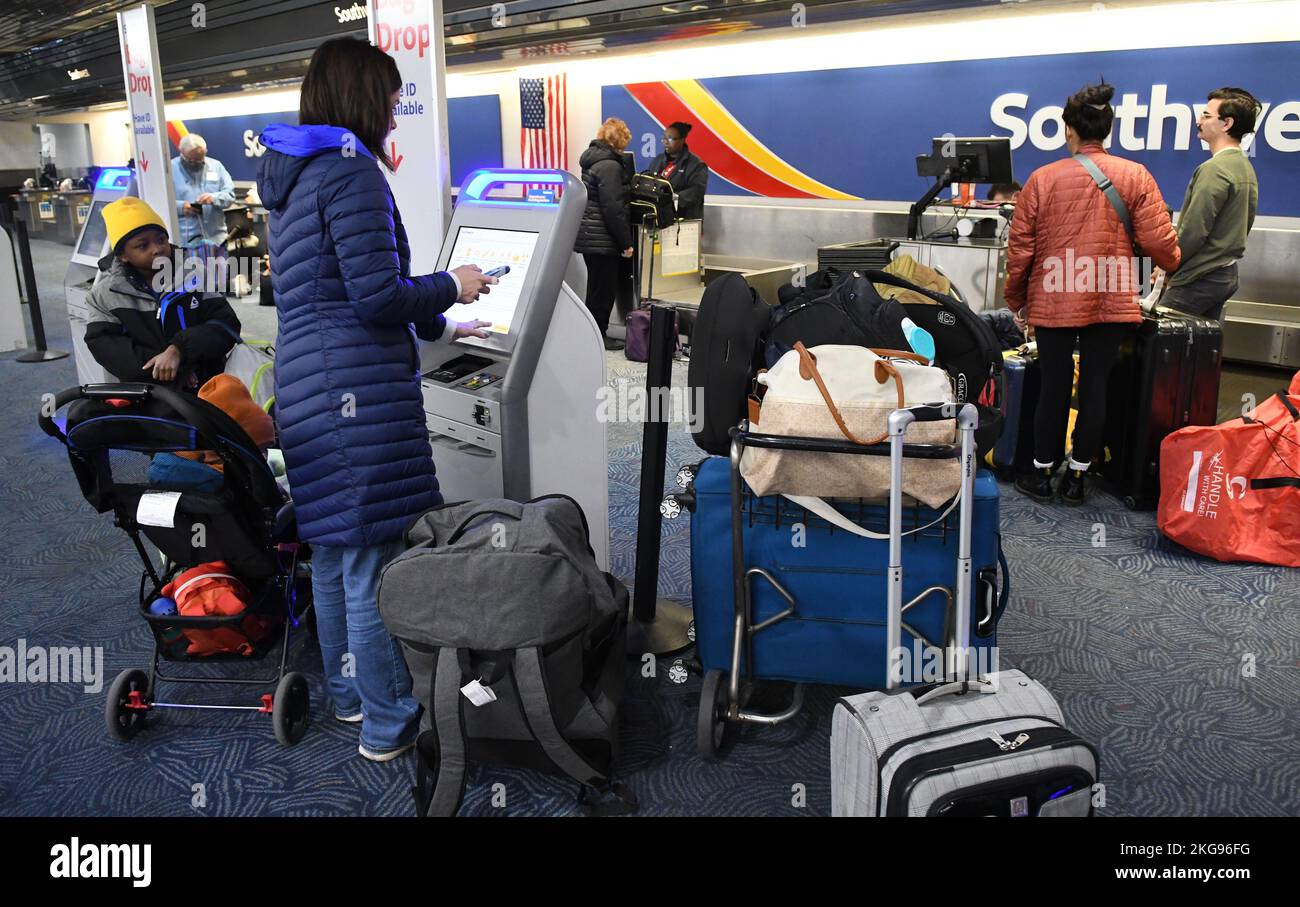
[347,384]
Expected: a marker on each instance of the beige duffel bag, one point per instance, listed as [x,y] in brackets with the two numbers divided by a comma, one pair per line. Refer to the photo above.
[834,391]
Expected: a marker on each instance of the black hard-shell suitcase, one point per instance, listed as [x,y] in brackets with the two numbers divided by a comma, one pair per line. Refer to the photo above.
[726,351]
[1165,379]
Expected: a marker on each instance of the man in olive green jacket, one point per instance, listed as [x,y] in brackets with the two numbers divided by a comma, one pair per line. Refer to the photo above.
[1219,208]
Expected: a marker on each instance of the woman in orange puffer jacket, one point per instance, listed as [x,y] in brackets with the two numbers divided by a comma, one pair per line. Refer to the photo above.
[1073,275]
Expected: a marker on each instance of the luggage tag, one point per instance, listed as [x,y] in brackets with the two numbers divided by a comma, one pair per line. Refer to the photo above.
[478,693]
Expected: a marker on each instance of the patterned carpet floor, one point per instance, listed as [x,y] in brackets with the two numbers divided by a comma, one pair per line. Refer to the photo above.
[1143,643]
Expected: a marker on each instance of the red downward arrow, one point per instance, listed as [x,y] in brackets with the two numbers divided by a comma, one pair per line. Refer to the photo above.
[144,164]
[392,153]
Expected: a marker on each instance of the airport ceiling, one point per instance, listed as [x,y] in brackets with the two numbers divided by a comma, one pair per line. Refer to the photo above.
[62,55]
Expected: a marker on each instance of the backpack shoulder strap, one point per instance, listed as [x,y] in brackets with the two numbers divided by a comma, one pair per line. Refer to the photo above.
[599,794]
[1108,189]
[441,754]
[530,681]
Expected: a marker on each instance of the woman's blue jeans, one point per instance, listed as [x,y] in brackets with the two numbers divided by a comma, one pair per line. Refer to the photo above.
[364,668]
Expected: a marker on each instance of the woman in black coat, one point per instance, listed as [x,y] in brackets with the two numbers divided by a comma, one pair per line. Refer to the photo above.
[688,174]
[605,235]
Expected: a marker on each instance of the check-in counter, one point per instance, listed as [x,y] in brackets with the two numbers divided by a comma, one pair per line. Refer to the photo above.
[70,211]
[36,210]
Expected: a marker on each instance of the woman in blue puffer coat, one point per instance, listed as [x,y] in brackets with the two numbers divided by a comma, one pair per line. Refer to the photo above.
[348,401]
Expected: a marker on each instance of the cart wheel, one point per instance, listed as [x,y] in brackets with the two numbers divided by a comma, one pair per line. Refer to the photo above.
[123,721]
[690,631]
[670,507]
[711,725]
[1130,502]
[685,477]
[289,708]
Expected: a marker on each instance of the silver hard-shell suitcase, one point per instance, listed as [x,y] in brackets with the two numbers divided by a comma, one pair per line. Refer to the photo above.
[983,745]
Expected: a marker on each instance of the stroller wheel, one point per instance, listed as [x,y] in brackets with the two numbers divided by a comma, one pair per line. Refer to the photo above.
[711,725]
[290,707]
[127,704]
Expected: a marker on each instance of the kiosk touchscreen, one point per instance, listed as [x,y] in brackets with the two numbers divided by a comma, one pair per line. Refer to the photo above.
[515,414]
[92,245]
[492,248]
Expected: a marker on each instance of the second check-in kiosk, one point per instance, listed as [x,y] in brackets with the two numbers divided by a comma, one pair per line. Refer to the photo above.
[515,415]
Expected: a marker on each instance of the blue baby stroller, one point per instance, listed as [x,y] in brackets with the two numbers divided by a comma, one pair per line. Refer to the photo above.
[113,434]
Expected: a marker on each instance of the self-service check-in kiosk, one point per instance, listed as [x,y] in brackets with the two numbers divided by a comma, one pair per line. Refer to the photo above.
[516,415]
[92,245]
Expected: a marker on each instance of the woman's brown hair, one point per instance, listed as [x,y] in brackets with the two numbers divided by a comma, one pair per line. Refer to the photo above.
[349,84]
[1088,112]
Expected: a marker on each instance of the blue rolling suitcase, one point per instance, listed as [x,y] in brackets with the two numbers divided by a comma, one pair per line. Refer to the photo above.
[838,581]
[1004,454]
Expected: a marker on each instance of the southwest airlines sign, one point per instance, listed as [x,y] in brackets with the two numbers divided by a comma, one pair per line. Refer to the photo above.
[855,133]
[1142,126]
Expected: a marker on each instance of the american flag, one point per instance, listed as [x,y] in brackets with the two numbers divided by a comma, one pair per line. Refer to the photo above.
[544,134]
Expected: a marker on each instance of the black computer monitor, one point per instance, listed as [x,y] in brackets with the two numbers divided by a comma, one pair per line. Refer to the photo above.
[970,160]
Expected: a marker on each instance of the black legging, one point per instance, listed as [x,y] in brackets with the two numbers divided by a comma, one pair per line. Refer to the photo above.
[1099,346]
[602,287]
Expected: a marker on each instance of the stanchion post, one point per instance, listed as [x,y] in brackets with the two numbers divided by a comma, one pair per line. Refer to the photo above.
[40,354]
[659,625]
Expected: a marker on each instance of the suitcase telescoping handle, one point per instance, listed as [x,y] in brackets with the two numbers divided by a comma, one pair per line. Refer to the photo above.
[967,417]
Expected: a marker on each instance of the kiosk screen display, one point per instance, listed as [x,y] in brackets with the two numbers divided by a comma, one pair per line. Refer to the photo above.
[94,233]
[489,248]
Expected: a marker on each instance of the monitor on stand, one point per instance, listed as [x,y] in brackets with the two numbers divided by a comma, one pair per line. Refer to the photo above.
[960,160]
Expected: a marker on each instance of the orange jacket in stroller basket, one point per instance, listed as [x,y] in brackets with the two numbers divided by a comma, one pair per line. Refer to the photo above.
[211,590]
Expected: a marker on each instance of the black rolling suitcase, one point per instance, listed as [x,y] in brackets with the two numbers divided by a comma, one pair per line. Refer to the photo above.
[726,351]
[1167,378]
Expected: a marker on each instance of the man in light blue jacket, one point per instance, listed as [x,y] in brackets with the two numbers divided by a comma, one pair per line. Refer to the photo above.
[203,191]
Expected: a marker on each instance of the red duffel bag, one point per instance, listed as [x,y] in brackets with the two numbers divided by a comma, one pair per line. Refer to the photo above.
[1232,491]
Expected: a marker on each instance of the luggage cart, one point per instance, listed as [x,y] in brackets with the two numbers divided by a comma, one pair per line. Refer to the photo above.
[725,696]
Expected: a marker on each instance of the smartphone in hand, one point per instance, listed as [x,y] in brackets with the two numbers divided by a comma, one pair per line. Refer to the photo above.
[499,271]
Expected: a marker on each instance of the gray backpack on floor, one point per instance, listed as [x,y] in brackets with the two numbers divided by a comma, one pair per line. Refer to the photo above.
[516,644]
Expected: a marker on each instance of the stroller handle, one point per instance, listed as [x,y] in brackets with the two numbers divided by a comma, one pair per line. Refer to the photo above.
[214,430]
[135,391]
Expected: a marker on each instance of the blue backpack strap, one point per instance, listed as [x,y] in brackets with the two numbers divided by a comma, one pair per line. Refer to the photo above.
[165,302]
[440,775]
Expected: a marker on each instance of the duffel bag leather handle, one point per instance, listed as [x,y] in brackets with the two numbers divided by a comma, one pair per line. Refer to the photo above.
[901,354]
[884,371]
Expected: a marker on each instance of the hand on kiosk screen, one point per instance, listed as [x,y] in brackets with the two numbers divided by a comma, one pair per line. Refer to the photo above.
[502,254]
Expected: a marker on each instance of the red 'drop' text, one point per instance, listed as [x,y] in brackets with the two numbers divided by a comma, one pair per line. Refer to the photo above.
[402,37]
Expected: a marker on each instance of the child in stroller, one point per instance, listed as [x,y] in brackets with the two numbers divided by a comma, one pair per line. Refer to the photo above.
[112,433]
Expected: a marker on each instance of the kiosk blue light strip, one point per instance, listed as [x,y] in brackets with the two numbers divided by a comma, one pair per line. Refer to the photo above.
[481,181]
[113,178]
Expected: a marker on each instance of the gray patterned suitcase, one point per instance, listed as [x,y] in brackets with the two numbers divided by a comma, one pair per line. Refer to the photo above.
[992,745]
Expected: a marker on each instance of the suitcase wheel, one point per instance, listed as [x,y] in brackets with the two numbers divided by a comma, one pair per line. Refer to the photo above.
[679,673]
[711,726]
